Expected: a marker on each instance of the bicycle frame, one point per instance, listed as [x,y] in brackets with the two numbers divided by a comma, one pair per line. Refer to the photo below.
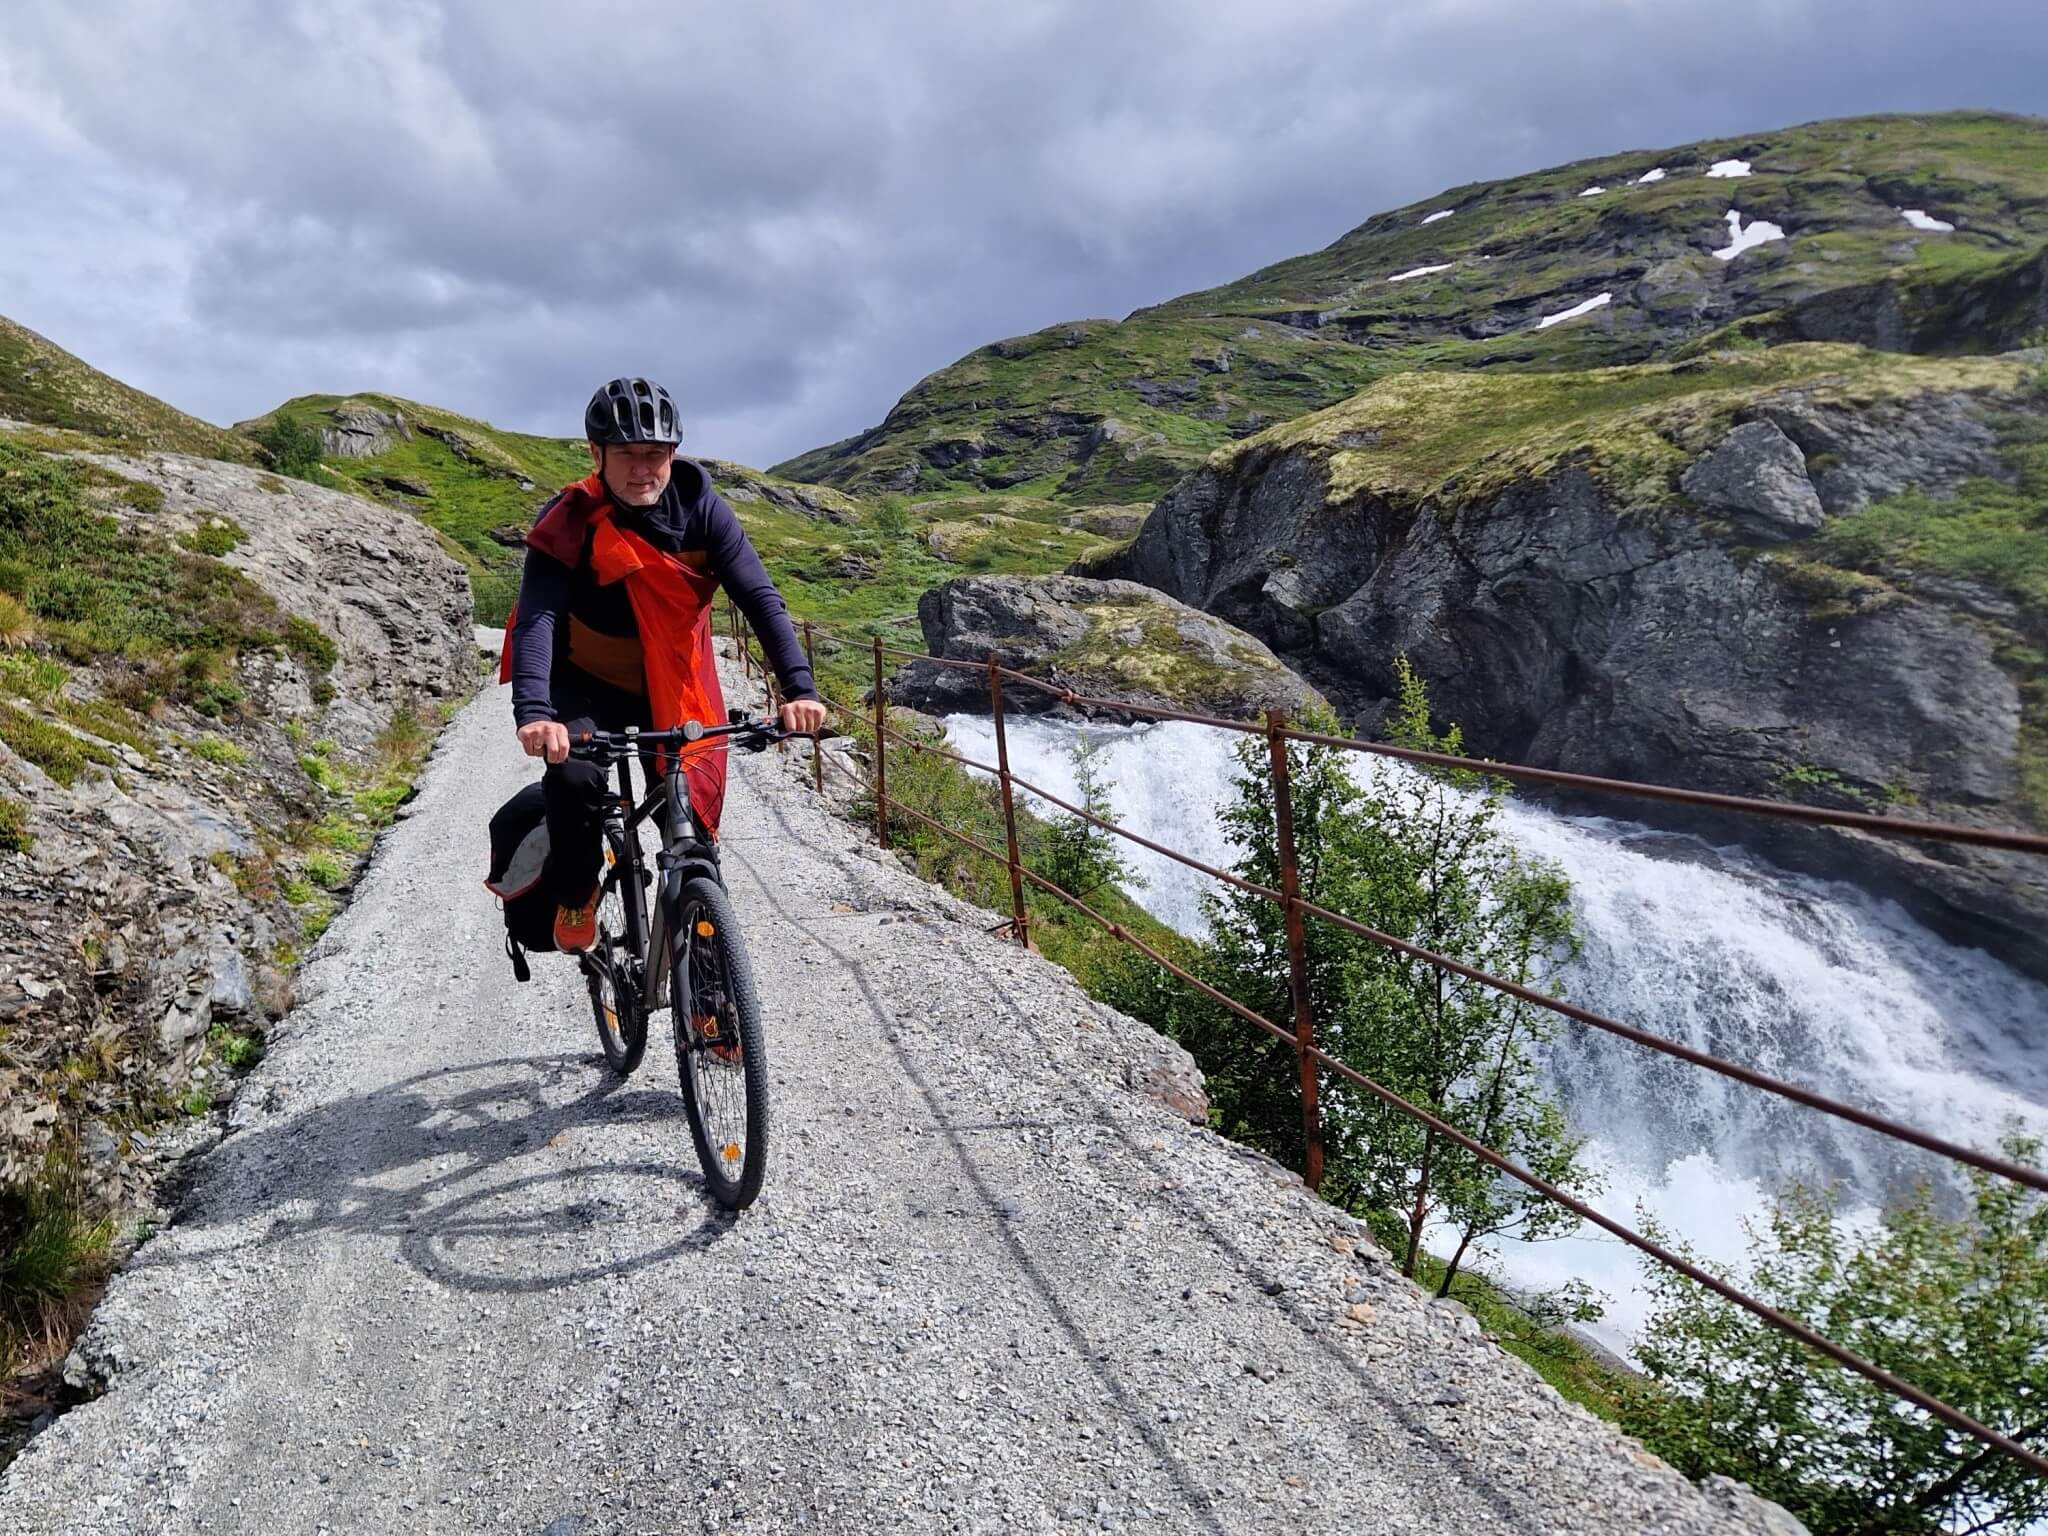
[681,858]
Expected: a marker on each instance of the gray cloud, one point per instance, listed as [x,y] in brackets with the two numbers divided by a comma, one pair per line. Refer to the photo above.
[793,211]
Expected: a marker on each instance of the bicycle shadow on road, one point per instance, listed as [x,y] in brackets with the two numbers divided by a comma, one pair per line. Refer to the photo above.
[496,1176]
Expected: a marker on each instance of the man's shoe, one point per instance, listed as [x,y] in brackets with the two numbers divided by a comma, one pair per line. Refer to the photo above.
[576,927]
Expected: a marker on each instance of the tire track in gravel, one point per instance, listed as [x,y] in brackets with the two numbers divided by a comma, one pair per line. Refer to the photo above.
[447,1275]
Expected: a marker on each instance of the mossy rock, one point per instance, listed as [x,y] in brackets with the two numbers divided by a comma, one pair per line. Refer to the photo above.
[1108,639]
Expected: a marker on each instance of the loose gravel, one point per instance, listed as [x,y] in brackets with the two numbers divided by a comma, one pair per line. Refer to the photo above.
[446,1274]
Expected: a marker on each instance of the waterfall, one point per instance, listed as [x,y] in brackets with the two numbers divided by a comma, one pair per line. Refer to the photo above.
[1811,980]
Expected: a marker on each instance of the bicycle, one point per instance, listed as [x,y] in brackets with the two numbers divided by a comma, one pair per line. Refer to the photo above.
[703,978]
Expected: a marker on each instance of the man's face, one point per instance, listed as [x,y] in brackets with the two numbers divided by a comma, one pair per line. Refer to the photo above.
[636,472]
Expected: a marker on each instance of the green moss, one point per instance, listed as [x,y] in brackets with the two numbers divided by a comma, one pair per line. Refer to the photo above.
[1137,643]
[58,752]
[1459,437]
[108,720]
[217,749]
[338,832]
[15,836]
[328,776]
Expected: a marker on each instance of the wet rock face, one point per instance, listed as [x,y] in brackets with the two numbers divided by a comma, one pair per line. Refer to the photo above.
[1699,644]
[1110,639]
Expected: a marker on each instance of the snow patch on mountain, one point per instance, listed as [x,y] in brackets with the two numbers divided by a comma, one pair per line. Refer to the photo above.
[1598,302]
[1759,232]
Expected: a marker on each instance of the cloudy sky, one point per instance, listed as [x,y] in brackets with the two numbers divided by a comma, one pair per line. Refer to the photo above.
[790,210]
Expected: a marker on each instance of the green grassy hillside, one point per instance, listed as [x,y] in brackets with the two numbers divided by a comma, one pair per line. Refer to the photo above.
[44,385]
[839,559]
[1101,410]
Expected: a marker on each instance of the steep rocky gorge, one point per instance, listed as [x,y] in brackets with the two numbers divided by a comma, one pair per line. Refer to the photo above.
[1803,574]
[182,819]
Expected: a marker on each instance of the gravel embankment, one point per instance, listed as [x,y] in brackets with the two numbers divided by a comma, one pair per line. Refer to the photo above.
[447,1275]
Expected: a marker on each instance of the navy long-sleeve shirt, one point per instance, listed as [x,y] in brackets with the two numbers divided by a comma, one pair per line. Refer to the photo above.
[557,602]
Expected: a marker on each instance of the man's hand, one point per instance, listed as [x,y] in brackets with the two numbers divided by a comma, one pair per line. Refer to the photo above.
[545,738]
[801,717]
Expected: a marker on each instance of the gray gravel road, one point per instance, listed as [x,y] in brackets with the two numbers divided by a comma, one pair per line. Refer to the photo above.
[445,1274]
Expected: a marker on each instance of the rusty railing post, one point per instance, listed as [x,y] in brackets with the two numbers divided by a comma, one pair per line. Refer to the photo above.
[881,754]
[1297,952]
[817,758]
[1020,924]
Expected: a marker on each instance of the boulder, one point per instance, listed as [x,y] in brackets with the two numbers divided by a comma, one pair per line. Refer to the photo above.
[1110,639]
[1756,476]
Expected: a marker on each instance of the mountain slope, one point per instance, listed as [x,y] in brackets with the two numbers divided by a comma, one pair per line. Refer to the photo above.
[44,385]
[1101,410]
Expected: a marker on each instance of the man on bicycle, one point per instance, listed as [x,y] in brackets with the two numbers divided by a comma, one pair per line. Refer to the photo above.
[613,627]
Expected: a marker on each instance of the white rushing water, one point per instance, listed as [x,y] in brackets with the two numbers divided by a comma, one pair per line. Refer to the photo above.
[1806,979]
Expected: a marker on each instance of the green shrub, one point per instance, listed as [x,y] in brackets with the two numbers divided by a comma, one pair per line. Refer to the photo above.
[51,748]
[17,624]
[54,1248]
[311,644]
[326,871]
[142,496]
[15,576]
[38,677]
[290,447]
[406,735]
[1952,1299]
[15,836]
[217,749]
[239,1049]
[325,774]
[338,832]
[108,719]
[215,537]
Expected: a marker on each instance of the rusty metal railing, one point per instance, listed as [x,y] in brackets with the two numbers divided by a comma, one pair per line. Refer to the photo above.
[1309,1057]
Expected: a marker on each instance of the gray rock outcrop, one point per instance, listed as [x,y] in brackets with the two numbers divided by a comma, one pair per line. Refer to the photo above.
[1109,639]
[361,432]
[1757,476]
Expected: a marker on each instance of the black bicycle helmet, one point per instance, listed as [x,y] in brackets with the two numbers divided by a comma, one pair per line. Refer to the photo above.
[632,411]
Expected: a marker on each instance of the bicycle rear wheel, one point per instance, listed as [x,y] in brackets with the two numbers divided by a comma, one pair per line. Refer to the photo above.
[721,1052]
[611,969]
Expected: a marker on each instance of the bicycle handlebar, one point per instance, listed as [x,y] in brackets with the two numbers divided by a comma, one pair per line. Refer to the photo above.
[749,735]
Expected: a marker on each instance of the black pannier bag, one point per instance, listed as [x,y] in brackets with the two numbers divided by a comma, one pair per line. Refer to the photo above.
[519,856]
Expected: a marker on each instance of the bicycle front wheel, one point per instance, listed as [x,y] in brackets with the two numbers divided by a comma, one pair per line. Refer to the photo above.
[610,968]
[721,1053]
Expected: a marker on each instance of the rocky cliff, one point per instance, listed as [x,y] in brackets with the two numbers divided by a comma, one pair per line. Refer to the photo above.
[1813,572]
[213,687]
